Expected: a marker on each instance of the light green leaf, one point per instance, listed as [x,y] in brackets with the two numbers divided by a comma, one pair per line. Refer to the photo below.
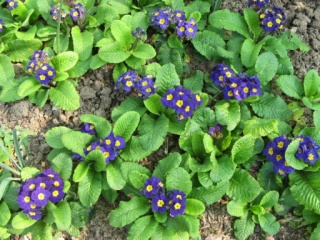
[128,212]
[259,127]
[266,67]
[270,199]
[252,18]
[6,70]
[228,113]
[114,53]
[250,52]
[290,85]
[101,125]
[80,171]
[89,188]
[268,179]
[122,33]
[242,149]
[290,155]
[126,125]
[222,168]
[28,172]
[54,136]
[64,61]
[5,214]
[269,223]
[76,141]
[153,104]
[243,187]
[137,179]
[179,179]
[194,207]
[127,167]
[271,107]
[166,164]
[130,104]
[144,51]
[19,49]
[244,227]
[237,209]
[41,231]
[82,43]
[195,82]
[166,78]
[143,228]
[28,87]
[170,55]
[311,83]
[62,164]
[229,21]
[22,221]
[114,177]
[65,96]
[62,214]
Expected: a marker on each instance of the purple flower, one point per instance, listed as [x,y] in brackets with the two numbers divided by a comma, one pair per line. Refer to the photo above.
[119,143]
[78,12]
[109,153]
[29,185]
[54,13]
[34,214]
[77,156]
[307,150]
[152,187]
[88,128]
[24,200]
[11,4]
[178,16]
[180,28]
[1,25]
[109,141]
[40,196]
[139,33]
[50,173]
[56,194]
[93,146]
[127,80]
[216,131]
[177,203]
[272,19]
[159,203]
[191,29]
[221,74]
[161,18]
[258,3]
[145,86]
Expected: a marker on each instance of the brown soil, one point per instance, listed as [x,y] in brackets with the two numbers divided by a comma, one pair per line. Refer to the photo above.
[98,97]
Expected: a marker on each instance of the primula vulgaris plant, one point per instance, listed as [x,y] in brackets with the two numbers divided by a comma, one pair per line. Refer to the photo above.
[161,203]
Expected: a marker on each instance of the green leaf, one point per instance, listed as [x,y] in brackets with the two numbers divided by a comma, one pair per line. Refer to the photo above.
[170,55]
[98,158]
[271,107]
[207,43]
[211,194]
[166,78]
[222,168]
[114,53]
[28,172]
[144,51]
[290,85]
[311,83]
[244,227]
[114,177]
[243,187]
[65,96]
[62,214]
[5,214]
[229,21]
[305,187]
[316,119]
[76,141]
[54,136]
[101,125]
[228,113]
[137,179]
[126,125]
[250,52]
[143,228]
[11,196]
[80,68]
[121,32]
[42,97]
[315,235]
[259,127]
[22,221]
[266,67]
[6,70]
[153,104]
[19,49]
[179,179]
[290,155]
[270,199]
[127,167]
[80,171]
[269,223]
[237,209]
[174,42]
[195,82]
[130,104]
[41,231]
[179,222]
[64,61]
[62,164]
[268,179]
[257,209]
[197,144]
[194,207]
[167,164]
[128,212]
[89,188]
[82,43]
[252,18]
[242,149]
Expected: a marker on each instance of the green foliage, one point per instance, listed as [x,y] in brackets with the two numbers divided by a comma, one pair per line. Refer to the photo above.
[228,113]
[266,67]
[65,96]
[166,78]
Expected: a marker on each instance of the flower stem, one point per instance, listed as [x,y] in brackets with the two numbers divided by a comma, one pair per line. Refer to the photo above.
[4,166]
[58,27]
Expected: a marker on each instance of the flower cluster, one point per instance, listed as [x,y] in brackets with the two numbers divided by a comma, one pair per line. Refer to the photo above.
[1,25]
[88,128]
[12,4]
[130,80]
[239,86]
[272,19]
[54,13]
[35,193]
[39,65]
[139,33]
[173,201]
[182,101]
[258,3]
[109,146]
[78,12]
[307,150]
[275,152]
[216,131]
[162,19]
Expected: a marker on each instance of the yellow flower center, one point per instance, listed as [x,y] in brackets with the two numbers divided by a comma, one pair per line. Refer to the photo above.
[278,157]
[55,193]
[129,83]
[270,24]
[161,21]
[270,151]
[179,103]
[310,157]
[42,77]
[26,199]
[177,206]
[56,183]
[169,97]
[246,90]
[41,196]
[149,188]
[144,83]
[280,144]
[160,203]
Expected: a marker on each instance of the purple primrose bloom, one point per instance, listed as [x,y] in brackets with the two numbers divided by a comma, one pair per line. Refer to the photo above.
[152,187]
